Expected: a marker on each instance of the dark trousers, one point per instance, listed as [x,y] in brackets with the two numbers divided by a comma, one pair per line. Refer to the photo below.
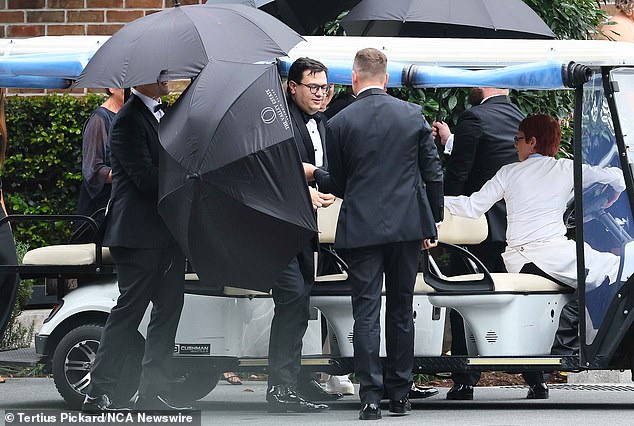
[144,275]
[9,282]
[399,262]
[291,295]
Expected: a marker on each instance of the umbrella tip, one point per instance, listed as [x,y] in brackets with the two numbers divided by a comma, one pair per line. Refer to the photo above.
[177,3]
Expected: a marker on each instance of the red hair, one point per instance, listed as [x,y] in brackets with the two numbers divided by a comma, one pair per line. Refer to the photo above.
[546,131]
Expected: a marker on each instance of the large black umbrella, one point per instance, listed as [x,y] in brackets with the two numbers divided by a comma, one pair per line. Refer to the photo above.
[182,40]
[447,18]
[301,15]
[232,188]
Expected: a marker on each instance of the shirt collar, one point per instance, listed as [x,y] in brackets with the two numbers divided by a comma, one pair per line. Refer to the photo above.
[489,97]
[150,103]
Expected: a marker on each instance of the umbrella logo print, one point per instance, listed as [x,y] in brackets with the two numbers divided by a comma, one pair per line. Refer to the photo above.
[268,115]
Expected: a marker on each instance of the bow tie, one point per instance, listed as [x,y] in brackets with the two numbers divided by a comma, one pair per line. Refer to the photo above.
[307,117]
[160,107]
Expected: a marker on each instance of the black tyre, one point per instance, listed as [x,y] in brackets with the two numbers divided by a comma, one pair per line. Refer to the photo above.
[73,358]
[190,386]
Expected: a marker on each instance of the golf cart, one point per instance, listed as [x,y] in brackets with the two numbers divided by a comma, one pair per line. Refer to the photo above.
[511,319]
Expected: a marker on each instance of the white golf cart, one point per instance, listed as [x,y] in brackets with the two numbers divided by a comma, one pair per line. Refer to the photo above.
[511,319]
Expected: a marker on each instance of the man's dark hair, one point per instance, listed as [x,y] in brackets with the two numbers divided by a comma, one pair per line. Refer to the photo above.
[297,69]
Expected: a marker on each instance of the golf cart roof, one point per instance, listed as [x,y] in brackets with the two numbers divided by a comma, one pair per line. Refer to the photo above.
[55,61]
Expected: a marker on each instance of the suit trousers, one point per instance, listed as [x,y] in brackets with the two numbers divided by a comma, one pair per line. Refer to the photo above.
[291,295]
[144,275]
[399,262]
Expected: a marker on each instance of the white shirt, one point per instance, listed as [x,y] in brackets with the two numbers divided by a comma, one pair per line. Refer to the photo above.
[536,192]
[150,103]
[316,139]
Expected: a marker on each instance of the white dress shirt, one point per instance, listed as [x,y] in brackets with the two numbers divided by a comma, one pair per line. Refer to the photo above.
[311,125]
[150,103]
[536,192]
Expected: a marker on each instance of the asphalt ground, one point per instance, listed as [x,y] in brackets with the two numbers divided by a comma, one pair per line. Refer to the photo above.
[580,405]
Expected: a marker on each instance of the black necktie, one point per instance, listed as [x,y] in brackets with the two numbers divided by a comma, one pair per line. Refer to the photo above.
[159,107]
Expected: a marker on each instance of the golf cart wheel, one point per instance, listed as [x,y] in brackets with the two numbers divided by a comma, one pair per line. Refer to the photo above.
[74,357]
[190,386]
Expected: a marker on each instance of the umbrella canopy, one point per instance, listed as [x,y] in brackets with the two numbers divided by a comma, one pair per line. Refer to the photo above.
[182,40]
[301,15]
[449,18]
[232,187]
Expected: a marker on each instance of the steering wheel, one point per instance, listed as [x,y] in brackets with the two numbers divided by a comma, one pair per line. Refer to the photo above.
[595,197]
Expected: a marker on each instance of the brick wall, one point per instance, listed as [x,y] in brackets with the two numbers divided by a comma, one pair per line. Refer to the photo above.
[31,18]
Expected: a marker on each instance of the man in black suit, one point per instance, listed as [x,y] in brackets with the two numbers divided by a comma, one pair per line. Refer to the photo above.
[307,86]
[482,143]
[384,164]
[150,266]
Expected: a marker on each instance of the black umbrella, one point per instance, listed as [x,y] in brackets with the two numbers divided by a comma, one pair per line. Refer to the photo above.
[301,15]
[182,40]
[447,18]
[232,187]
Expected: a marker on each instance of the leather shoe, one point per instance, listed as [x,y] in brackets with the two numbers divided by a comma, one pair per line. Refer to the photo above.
[283,398]
[400,407]
[460,392]
[370,412]
[157,403]
[538,391]
[100,404]
[418,392]
[312,390]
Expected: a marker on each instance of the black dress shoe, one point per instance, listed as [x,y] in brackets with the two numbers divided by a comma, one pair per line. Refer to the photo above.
[158,403]
[100,404]
[370,412]
[312,390]
[418,392]
[400,407]
[538,391]
[283,398]
[460,392]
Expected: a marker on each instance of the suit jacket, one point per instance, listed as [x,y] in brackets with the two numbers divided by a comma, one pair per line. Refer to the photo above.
[385,166]
[483,143]
[133,218]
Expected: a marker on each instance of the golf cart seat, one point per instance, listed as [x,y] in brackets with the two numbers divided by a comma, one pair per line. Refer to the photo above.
[67,254]
[504,313]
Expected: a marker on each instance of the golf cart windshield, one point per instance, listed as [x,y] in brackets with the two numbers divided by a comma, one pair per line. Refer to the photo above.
[606,230]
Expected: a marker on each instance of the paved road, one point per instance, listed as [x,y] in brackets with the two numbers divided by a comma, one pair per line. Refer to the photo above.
[229,405]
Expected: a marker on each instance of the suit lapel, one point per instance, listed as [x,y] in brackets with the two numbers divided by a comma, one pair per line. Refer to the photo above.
[303,137]
[145,113]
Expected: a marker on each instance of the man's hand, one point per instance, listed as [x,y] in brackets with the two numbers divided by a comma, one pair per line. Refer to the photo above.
[320,199]
[309,171]
[429,243]
[442,129]
[612,200]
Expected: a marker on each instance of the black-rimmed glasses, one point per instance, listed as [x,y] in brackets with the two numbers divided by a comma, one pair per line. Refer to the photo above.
[315,87]
[518,138]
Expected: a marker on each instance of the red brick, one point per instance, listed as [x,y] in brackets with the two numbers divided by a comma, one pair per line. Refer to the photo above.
[45,16]
[25,91]
[144,4]
[2,31]
[151,11]
[104,4]
[25,30]
[85,16]
[65,4]
[27,4]
[123,15]
[10,17]
[103,29]
[170,3]
[55,30]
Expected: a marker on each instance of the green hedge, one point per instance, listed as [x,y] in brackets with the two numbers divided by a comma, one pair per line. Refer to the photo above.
[42,172]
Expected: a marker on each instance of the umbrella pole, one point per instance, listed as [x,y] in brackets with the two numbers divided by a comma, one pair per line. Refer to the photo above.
[177,3]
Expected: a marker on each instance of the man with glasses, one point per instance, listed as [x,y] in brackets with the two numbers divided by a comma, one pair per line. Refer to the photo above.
[482,143]
[306,89]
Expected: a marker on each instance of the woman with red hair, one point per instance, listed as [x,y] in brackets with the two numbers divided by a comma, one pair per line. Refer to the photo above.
[536,191]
